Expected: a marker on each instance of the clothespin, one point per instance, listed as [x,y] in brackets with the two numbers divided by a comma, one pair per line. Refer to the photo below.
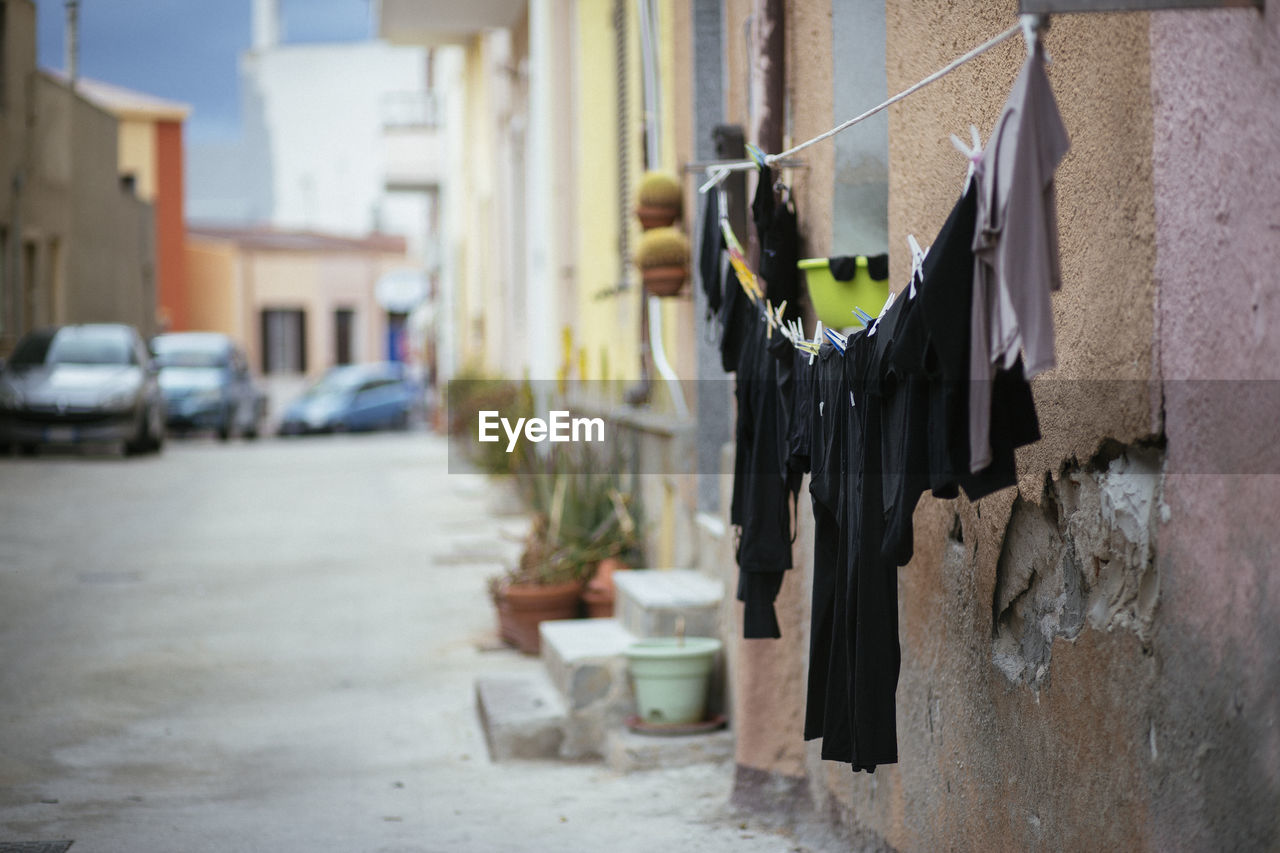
[838,340]
[757,156]
[716,178]
[971,153]
[768,316]
[817,338]
[1032,26]
[871,330]
[863,317]
[917,260]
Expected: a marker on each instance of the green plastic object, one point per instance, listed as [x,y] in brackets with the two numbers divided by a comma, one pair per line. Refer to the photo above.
[833,301]
[670,678]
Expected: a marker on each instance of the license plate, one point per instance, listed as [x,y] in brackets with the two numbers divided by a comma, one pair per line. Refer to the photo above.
[60,435]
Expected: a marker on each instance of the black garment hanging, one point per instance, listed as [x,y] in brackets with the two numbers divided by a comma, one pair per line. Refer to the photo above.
[845,267]
[711,250]
[904,400]
[935,346]
[760,498]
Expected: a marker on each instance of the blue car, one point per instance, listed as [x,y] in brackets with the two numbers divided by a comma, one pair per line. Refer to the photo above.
[206,384]
[355,398]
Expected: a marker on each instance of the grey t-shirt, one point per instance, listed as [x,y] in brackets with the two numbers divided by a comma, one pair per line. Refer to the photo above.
[1015,245]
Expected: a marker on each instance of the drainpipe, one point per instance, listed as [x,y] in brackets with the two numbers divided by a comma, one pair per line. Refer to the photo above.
[768,84]
[653,153]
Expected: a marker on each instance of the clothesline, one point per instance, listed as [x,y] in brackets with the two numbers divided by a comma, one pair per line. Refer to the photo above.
[1027,24]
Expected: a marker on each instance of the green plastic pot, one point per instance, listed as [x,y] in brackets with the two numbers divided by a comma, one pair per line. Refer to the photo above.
[833,301]
[670,677]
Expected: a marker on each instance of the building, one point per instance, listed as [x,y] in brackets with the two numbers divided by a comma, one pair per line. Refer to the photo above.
[151,159]
[78,244]
[301,302]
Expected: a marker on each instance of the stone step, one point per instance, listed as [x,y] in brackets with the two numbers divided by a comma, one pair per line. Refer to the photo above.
[650,602]
[584,661]
[627,751]
[522,716]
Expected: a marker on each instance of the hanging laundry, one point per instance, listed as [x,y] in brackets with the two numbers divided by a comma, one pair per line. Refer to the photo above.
[779,233]
[845,267]
[1015,245]
[711,252]
[760,505]
[934,346]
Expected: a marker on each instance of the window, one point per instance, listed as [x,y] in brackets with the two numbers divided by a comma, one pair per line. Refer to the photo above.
[284,341]
[344,321]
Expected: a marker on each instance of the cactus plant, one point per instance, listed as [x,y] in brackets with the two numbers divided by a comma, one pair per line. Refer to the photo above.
[658,199]
[663,259]
[662,247]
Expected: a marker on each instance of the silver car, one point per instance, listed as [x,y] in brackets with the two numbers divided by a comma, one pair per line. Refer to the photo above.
[81,384]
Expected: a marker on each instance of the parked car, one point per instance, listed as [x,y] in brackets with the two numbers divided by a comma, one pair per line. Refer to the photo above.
[355,398]
[206,384]
[81,384]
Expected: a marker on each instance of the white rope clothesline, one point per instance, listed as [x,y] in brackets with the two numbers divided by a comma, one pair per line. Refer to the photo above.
[1025,25]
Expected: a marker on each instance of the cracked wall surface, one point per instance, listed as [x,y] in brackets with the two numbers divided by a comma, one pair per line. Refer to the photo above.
[1084,554]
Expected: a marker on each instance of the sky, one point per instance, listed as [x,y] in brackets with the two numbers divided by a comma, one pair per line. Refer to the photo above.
[186,50]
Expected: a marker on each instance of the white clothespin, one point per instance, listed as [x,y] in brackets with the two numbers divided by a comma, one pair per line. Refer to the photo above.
[917,260]
[971,153]
[1030,23]
[718,176]
[817,340]
[871,330]
[1032,26]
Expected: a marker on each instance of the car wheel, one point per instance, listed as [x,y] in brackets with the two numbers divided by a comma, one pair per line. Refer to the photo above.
[141,441]
[29,449]
[224,429]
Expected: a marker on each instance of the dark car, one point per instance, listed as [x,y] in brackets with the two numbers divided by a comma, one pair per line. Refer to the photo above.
[206,384]
[355,398]
[81,384]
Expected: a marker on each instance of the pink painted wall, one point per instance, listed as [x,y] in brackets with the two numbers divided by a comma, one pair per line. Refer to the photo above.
[1216,173]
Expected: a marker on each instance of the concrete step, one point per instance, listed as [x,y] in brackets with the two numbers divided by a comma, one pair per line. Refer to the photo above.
[650,602]
[626,751]
[522,716]
[584,661]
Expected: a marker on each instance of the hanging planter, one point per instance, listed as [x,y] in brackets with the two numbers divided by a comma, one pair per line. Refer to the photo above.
[658,200]
[663,260]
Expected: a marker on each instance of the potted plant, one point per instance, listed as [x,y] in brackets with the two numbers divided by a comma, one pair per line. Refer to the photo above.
[663,260]
[581,519]
[539,588]
[658,199]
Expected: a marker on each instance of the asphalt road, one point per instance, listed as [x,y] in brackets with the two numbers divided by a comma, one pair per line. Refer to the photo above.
[272,646]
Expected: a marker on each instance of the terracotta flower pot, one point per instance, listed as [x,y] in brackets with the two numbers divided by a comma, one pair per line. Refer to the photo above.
[665,280]
[600,593]
[654,216]
[522,607]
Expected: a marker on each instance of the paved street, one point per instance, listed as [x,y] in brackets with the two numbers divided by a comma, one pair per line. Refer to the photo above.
[271,647]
